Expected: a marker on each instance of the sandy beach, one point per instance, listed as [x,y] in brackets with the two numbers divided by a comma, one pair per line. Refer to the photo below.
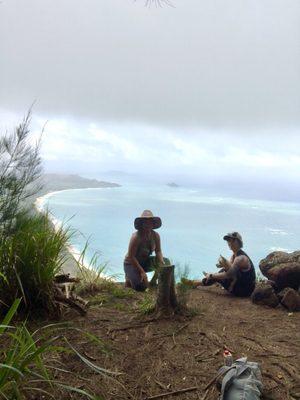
[73,257]
[73,254]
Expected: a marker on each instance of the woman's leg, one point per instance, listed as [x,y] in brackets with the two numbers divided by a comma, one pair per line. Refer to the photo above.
[133,278]
[127,283]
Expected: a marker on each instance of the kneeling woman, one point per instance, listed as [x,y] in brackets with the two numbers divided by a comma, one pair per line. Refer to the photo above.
[238,275]
[142,244]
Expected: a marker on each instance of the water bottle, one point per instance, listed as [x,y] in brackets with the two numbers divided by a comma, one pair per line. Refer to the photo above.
[227,358]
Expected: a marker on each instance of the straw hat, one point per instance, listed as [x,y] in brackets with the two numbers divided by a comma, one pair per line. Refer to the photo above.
[147,214]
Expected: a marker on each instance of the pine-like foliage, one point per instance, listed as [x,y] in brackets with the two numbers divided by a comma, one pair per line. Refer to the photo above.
[20,169]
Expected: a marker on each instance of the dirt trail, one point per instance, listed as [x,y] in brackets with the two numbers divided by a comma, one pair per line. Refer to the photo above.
[160,356]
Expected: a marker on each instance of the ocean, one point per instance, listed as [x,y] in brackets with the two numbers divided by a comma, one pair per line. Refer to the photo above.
[194,223]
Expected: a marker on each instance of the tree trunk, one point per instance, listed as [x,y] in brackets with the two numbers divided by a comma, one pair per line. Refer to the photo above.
[166,302]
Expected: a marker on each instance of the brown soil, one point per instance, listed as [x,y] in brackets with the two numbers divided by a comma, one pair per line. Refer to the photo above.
[160,356]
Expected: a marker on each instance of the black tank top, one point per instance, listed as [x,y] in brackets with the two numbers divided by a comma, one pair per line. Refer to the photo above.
[246,279]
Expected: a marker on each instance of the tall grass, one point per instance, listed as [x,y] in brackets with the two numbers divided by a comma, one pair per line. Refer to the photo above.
[91,273]
[29,260]
[21,361]
[25,367]
[182,271]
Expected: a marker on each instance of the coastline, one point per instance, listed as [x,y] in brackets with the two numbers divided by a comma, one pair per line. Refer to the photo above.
[275,231]
[71,264]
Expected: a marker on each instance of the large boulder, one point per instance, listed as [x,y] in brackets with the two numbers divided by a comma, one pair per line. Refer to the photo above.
[282,268]
[290,299]
[264,294]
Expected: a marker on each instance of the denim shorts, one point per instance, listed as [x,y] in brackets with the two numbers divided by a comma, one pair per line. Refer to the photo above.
[132,273]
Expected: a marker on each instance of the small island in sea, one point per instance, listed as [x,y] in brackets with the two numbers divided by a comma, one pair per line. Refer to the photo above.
[172,184]
[54,182]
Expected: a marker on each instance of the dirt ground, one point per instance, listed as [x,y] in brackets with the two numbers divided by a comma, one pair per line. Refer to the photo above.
[156,357]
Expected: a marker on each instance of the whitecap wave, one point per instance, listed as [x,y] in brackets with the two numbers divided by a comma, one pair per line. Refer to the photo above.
[280,249]
[276,231]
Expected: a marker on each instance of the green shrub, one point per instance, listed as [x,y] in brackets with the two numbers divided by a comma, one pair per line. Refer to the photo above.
[29,260]
[20,172]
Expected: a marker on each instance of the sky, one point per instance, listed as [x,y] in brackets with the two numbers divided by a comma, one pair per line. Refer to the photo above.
[203,89]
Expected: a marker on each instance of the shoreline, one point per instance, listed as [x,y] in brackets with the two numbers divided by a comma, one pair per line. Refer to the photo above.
[278,237]
[71,264]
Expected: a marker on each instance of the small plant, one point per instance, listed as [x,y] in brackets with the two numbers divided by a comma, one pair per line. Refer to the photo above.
[120,292]
[184,285]
[147,304]
[182,271]
[260,277]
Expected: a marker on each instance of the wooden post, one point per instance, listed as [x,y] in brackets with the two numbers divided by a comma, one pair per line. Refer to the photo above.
[166,302]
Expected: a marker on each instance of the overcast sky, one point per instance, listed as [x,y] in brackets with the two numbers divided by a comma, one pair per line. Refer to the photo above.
[211,85]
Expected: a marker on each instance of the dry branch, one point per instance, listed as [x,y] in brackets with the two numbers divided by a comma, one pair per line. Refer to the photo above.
[174,392]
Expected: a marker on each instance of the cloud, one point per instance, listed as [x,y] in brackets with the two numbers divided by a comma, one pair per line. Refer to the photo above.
[164,151]
[203,64]
[253,165]
[115,144]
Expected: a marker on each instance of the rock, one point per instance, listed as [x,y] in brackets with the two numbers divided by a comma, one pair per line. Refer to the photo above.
[264,294]
[172,184]
[282,268]
[290,299]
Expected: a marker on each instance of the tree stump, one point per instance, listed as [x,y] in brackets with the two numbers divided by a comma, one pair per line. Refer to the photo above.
[166,302]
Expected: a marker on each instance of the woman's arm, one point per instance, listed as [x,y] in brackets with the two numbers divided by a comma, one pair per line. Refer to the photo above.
[158,252]
[240,263]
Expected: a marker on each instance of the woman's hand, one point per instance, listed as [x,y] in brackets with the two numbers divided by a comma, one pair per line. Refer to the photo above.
[144,277]
[207,280]
[223,263]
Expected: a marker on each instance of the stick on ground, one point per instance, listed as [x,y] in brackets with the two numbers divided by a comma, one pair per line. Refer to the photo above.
[174,392]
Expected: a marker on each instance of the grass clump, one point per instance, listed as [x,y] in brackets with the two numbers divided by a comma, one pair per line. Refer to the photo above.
[24,370]
[94,282]
[29,260]
[91,274]
[184,285]
[260,277]
[147,304]
[182,272]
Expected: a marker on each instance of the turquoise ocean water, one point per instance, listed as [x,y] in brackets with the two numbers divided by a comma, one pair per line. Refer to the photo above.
[194,223]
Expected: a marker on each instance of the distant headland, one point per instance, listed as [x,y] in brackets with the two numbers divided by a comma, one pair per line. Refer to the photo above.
[56,182]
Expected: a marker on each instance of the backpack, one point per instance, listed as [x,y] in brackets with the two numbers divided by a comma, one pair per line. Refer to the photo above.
[242,381]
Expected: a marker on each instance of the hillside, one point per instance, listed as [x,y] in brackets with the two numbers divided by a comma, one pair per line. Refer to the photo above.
[55,182]
[158,356]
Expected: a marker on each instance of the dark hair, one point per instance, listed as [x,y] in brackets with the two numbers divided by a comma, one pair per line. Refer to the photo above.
[240,242]
[235,237]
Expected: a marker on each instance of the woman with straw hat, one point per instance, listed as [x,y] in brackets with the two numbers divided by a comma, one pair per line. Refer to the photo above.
[138,259]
